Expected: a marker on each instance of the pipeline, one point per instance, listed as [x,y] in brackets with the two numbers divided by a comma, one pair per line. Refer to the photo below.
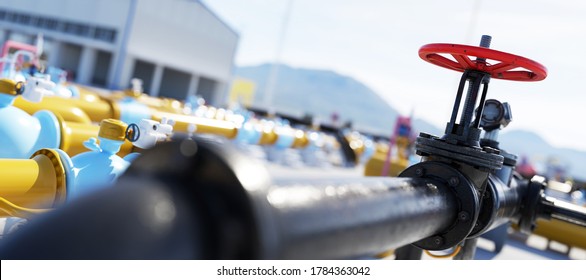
[69,113]
[50,177]
[202,199]
[131,106]
[239,213]
[95,108]
[324,218]
[31,186]
[199,198]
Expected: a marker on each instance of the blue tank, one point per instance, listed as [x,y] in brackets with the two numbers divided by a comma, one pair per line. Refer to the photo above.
[99,168]
[22,134]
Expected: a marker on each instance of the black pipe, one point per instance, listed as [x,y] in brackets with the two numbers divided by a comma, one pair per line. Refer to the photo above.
[538,205]
[214,203]
[355,218]
[500,204]
[564,211]
[137,220]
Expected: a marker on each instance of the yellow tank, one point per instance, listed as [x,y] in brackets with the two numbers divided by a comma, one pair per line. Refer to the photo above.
[399,159]
[376,164]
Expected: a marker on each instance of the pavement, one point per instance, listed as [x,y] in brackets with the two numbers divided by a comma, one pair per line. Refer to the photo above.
[534,247]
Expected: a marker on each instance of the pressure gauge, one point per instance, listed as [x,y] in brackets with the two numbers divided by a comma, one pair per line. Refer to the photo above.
[495,115]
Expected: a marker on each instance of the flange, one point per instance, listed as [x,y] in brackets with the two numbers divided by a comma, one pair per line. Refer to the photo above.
[469,206]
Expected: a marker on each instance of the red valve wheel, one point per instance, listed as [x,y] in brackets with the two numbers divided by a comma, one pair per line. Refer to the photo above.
[506,66]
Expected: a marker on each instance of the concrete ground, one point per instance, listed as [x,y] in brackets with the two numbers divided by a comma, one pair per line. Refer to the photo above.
[534,247]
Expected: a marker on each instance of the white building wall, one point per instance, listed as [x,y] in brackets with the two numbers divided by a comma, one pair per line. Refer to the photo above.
[87,64]
[94,16]
[183,35]
[109,14]
[100,12]
[3,35]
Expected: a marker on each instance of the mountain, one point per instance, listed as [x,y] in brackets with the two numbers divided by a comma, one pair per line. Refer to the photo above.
[526,143]
[321,93]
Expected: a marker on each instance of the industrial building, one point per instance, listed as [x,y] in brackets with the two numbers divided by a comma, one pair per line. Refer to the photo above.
[177,47]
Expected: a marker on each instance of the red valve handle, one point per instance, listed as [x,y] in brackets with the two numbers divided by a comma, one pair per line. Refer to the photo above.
[505,67]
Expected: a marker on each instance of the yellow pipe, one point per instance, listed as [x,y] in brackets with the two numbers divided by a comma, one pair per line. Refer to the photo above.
[74,134]
[75,125]
[97,110]
[563,232]
[204,126]
[76,128]
[301,139]
[68,112]
[90,95]
[163,104]
[168,105]
[38,182]
[225,128]
[375,165]
[87,94]
[85,109]
[95,107]
[103,106]
[8,209]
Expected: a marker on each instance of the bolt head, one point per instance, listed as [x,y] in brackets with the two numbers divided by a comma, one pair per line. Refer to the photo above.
[453,181]
[419,172]
[463,216]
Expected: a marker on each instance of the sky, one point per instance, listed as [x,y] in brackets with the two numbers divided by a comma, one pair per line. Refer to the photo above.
[377,42]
